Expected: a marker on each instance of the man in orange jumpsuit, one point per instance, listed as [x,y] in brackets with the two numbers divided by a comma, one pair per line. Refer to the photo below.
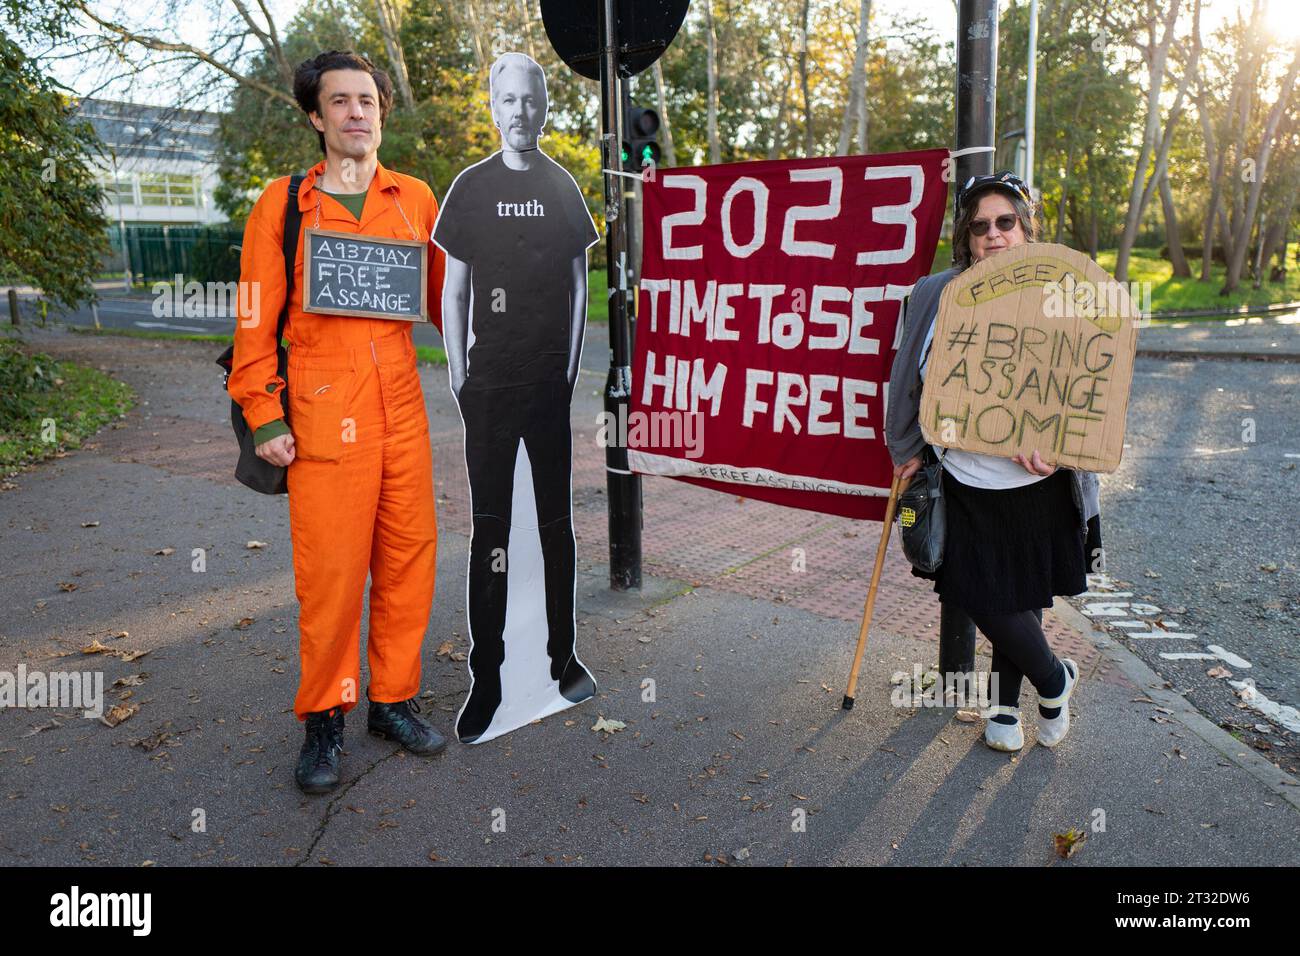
[360,470]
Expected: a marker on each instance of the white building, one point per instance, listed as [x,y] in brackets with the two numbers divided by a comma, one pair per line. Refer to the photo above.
[160,165]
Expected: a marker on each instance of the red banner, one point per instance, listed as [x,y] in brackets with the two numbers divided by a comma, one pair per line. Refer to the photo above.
[767,321]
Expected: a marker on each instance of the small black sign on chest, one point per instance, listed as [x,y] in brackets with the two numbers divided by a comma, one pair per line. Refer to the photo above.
[367,276]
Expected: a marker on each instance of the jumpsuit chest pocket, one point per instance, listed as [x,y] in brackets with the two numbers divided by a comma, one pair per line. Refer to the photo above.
[318,412]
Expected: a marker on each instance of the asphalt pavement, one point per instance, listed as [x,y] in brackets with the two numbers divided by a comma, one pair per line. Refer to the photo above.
[734,748]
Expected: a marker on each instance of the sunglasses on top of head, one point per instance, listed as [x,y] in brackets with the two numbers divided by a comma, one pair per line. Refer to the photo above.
[1006,223]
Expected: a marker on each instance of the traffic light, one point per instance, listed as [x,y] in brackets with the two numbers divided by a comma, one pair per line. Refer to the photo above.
[641,148]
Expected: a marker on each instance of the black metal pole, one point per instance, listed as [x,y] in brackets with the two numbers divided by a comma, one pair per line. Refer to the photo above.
[977,77]
[623,488]
[977,73]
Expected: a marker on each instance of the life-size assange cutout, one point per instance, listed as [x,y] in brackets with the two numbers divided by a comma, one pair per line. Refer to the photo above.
[516,231]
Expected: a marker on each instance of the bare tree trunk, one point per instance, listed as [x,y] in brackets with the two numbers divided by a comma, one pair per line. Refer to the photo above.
[1214,157]
[1140,190]
[1173,235]
[388,27]
[1240,110]
[1267,139]
[524,5]
[1275,238]
[670,153]
[715,149]
[476,34]
[803,82]
[1257,269]
[777,135]
[855,107]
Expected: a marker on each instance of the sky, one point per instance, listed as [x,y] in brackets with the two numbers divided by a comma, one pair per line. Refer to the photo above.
[158,89]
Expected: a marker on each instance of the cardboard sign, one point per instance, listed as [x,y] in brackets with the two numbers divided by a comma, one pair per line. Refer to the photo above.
[1033,349]
[368,276]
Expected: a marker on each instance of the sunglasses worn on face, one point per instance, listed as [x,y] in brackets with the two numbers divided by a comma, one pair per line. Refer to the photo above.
[979,227]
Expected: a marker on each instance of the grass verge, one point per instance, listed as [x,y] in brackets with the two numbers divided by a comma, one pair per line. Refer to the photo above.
[48,407]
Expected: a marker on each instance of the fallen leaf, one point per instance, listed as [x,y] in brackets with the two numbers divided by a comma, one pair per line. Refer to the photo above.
[118,713]
[90,524]
[967,716]
[243,624]
[443,649]
[152,742]
[129,656]
[1067,844]
[52,725]
[254,545]
[95,647]
[1218,672]
[607,726]
[67,586]
[165,551]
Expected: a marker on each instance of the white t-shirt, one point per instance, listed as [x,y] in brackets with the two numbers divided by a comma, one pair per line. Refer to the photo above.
[971,468]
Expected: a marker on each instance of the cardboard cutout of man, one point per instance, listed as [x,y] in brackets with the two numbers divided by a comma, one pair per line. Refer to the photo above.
[516,231]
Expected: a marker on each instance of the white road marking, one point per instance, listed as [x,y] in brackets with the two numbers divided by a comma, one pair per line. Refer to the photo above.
[1218,654]
[1283,714]
[165,325]
[1230,657]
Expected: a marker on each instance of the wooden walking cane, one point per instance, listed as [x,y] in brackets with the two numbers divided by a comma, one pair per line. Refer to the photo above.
[895,489]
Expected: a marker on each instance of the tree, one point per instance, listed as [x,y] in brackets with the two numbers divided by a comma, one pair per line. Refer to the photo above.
[52,227]
[855,105]
[1157,135]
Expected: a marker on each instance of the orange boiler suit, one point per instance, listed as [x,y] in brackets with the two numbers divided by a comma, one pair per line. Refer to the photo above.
[361,482]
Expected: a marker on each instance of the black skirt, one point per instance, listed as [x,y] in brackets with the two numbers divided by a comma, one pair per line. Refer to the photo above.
[1010,550]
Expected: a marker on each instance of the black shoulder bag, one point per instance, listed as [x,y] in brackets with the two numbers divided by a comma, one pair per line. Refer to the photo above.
[921,519]
[921,522]
[258,473]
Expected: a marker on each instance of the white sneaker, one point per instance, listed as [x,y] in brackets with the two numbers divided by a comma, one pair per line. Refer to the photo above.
[1005,737]
[1052,730]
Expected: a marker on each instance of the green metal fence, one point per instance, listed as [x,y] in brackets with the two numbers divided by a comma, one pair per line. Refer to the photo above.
[160,253]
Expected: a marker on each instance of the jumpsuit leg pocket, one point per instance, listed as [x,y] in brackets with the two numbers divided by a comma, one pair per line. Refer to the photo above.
[318,406]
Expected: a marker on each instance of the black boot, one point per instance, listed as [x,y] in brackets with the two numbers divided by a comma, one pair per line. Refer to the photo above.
[318,761]
[484,699]
[576,683]
[398,722]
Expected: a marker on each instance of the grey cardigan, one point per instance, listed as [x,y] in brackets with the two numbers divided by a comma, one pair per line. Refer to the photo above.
[902,417]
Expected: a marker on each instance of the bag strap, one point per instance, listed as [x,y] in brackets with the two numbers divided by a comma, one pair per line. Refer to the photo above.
[292,223]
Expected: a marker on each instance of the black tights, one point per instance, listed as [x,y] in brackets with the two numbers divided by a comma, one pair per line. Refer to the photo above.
[1020,650]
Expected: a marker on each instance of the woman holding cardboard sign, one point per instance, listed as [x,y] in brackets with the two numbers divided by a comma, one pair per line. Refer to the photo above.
[1016,527]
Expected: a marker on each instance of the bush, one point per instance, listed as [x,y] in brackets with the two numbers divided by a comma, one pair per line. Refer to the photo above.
[23,377]
[48,406]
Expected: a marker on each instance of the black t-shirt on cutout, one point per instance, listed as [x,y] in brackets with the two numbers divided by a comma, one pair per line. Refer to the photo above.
[518,230]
